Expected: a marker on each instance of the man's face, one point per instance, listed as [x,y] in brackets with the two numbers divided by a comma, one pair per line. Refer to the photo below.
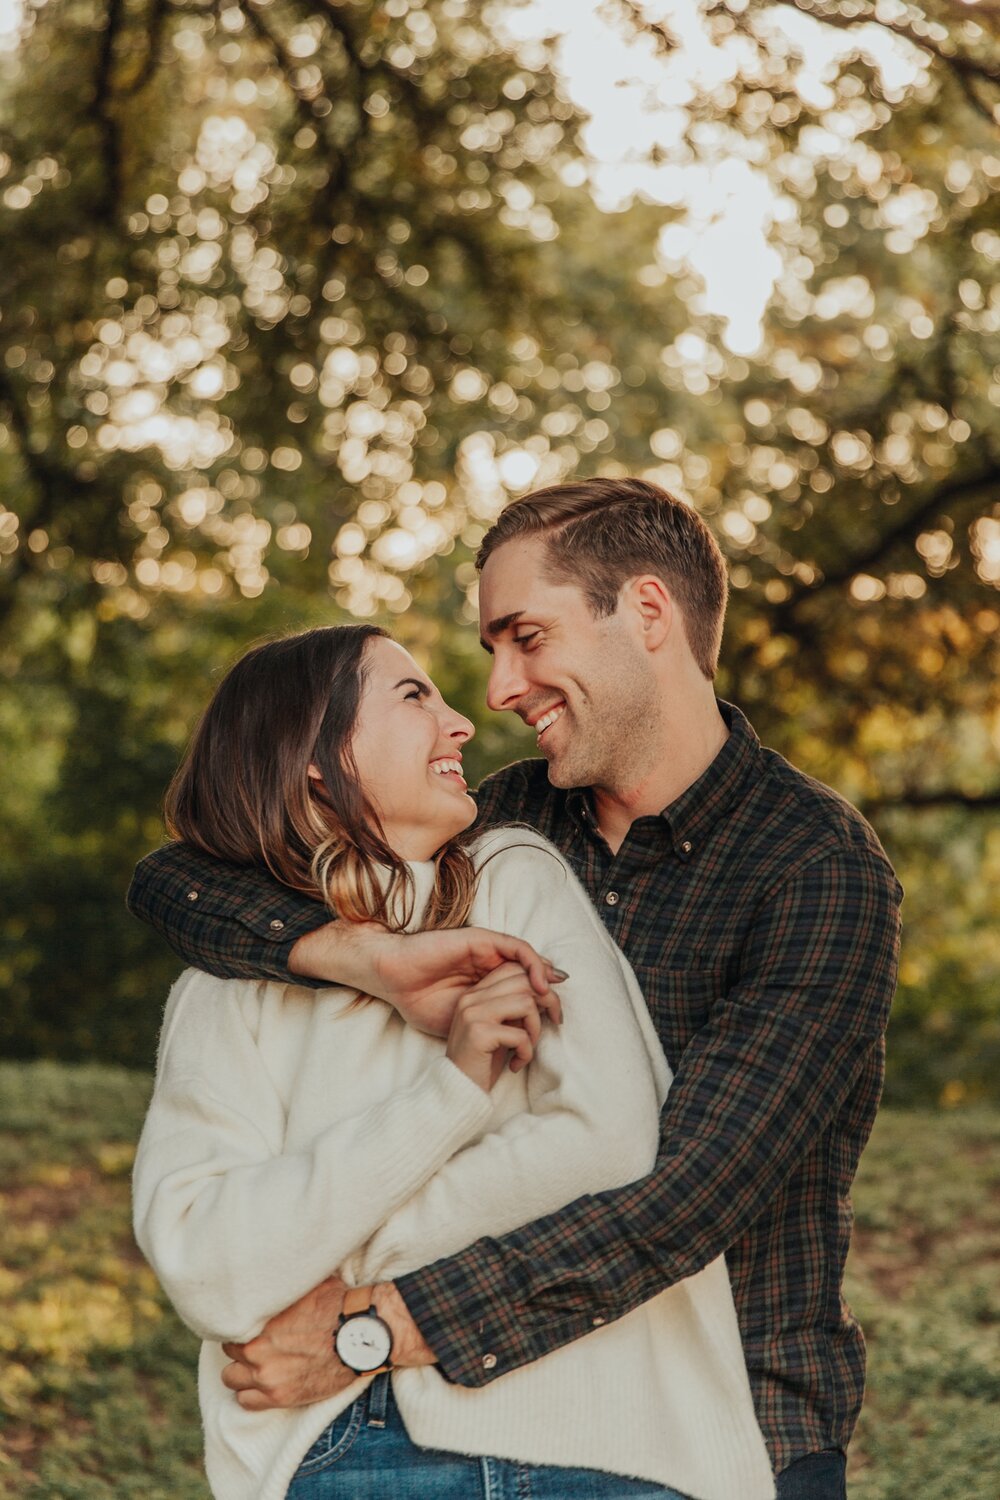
[584,684]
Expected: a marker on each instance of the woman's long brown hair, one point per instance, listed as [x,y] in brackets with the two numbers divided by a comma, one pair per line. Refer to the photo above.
[243,791]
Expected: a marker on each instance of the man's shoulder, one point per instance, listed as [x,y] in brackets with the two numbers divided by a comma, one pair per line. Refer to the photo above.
[809,819]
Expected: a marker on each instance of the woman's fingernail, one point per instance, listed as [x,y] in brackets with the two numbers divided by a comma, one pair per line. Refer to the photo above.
[559,974]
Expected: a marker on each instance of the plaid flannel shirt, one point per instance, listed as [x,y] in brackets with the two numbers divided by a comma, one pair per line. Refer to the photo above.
[761,916]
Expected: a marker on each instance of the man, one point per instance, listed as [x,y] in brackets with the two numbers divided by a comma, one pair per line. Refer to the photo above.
[761,916]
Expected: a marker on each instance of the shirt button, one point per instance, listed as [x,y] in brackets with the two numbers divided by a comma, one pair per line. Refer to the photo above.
[277,925]
[686,847]
[597,1321]
[192,895]
[489,1361]
[611,899]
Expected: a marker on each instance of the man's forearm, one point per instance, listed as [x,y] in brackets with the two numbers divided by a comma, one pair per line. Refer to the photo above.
[755,1091]
[505,1302]
[234,921]
[338,953]
[293,1362]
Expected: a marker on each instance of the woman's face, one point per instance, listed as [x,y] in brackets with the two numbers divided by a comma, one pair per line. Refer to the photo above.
[407,745]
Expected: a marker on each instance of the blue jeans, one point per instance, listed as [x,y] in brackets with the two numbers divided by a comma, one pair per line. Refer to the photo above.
[365,1454]
[818,1476]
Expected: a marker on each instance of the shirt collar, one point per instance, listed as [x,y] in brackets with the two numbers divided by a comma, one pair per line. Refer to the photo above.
[693,815]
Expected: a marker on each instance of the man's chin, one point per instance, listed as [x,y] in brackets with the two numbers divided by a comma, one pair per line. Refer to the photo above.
[562,775]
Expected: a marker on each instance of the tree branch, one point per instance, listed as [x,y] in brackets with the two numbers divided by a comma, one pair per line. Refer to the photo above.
[303,102]
[958,62]
[154,37]
[49,487]
[103,111]
[951,797]
[663,38]
[907,530]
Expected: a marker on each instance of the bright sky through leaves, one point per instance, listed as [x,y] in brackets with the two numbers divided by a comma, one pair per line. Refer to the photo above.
[637,99]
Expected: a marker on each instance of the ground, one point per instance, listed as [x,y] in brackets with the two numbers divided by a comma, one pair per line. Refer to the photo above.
[97,1376]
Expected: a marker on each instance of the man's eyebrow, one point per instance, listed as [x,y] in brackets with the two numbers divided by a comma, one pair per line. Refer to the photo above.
[412,682]
[498,626]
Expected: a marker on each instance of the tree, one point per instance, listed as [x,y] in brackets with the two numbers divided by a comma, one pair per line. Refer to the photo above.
[296,293]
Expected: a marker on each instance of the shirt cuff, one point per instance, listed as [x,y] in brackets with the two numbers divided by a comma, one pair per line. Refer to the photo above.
[476,1322]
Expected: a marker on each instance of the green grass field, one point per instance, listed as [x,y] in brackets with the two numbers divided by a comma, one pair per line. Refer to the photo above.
[97,1376]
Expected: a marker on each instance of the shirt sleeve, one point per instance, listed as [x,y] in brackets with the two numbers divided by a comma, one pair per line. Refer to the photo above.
[235,1227]
[237,921]
[754,1092]
[233,921]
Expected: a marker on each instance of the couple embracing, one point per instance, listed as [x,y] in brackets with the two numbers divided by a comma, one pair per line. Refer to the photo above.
[503,1147]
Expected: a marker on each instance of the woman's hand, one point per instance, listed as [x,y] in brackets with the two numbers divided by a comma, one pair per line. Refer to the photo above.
[422,974]
[498,1018]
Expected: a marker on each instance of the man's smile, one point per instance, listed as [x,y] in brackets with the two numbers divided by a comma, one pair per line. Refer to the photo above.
[545,720]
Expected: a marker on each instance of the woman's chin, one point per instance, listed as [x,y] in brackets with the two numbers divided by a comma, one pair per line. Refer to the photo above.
[420,844]
[464,817]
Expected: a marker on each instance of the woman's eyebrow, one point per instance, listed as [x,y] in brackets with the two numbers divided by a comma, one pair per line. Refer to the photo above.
[413,682]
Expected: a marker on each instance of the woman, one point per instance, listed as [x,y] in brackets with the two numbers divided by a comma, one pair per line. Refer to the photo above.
[293,1133]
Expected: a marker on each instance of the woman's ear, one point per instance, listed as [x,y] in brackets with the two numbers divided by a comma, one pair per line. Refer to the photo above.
[313,772]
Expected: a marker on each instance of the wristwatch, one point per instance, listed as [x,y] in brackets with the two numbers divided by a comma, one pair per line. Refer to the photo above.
[362,1340]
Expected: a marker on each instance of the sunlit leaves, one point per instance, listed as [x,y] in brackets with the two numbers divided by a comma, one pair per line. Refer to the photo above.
[294,298]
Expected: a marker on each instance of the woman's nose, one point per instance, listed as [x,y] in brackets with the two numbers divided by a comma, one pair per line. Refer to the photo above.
[458,727]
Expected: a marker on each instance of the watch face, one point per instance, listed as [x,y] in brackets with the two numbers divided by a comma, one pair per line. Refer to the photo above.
[363,1342]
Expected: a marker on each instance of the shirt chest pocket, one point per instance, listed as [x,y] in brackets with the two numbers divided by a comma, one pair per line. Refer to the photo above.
[680,1002]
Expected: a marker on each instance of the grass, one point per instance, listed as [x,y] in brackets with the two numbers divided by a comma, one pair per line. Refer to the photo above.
[97,1397]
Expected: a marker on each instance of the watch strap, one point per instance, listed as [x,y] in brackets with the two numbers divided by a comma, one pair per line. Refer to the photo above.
[357,1299]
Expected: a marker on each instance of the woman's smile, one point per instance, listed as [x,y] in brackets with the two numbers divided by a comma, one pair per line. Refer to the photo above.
[449,769]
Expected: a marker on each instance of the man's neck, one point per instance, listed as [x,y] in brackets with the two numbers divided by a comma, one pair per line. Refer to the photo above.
[687,750]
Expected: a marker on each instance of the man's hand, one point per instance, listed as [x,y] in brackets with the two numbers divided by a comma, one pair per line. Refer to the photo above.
[292,1361]
[423,974]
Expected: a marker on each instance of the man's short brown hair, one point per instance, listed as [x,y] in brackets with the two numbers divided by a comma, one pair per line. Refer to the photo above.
[601,532]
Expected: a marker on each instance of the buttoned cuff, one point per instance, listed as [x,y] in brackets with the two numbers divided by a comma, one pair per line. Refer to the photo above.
[263,935]
[477,1322]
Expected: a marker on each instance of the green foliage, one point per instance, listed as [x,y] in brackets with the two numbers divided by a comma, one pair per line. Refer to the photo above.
[97,1379]
[944,1036]
[296,293]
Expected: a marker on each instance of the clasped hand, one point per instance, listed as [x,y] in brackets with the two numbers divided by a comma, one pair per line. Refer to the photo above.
[422,974]
[292,1361]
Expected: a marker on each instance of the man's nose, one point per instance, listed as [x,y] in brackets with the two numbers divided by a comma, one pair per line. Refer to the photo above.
[506,686]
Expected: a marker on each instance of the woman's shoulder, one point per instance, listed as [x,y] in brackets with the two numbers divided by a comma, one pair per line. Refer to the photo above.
[194,987]
[518,872]
[511,844]
[202,1008]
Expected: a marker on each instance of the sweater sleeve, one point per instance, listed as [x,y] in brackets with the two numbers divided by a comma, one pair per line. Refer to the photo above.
[236,1229]
[594,1086]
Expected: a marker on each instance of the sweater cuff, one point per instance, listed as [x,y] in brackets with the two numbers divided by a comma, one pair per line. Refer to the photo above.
[463,1102]
[477,1321]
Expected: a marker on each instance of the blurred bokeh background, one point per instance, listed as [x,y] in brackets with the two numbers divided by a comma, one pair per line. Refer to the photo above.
[295,294]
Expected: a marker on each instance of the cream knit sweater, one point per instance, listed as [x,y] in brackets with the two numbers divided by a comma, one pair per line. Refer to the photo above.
[292,1134]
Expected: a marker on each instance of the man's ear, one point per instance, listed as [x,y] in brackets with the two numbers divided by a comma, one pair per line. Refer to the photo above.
[651,600]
